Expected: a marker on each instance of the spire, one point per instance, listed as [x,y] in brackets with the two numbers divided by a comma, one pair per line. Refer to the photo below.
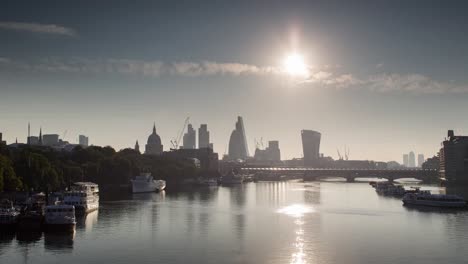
[29,132]
[137,146]
[16,141]
[154,128]
[40,136]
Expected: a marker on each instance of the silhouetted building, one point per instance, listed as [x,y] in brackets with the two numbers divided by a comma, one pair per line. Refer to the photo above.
[207,158]
[405,160]
[211,146]
[137,147]
[1,139]
[32,140]
[271,153]
[203,136]
[411,160]
[454,158]
[50,139]
[189,140]
[154,146]
[83,140]
[420,160]
[237,143]
[311,146]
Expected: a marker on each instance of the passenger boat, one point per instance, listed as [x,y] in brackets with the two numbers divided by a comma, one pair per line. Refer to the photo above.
[60,217]
[8,215]
[146,183]
[84,196]
[387,188]
[32,217]
[435,200]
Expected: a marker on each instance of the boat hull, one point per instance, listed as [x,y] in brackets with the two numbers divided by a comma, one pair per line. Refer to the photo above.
[435,204]
[147,187]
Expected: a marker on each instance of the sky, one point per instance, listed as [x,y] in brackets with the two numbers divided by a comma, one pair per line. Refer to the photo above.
[383,77]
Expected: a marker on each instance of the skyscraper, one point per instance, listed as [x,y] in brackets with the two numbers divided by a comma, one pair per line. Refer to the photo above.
[420,160]
[203,136]
[405,160]
[83,140]
[310,146]
[237,143]
[190,138]
[411,160]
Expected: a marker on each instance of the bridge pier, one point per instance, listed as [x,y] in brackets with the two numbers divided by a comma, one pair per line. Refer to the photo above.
[350,179]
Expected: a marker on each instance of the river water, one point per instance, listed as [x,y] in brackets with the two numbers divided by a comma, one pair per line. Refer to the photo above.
[266,222]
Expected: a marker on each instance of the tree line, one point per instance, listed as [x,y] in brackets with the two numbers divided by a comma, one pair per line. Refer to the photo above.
[37,168]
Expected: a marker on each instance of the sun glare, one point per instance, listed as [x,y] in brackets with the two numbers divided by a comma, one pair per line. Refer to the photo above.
[295,65]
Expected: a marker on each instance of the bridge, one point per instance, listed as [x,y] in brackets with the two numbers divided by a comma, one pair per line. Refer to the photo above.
[350,174]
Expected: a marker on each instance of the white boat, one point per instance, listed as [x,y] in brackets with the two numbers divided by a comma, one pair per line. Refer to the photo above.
[8,215]
[60,217]
[436,200]
[146,183]
[84,196]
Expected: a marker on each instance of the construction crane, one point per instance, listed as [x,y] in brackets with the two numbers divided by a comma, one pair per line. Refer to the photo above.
[176,141]
[346,153]
[339,154]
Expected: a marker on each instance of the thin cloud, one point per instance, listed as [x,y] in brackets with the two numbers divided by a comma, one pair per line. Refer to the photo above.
[38,28]
[325,77]
[142,68]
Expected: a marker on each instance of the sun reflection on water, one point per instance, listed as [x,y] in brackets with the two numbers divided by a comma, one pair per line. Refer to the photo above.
[298,211]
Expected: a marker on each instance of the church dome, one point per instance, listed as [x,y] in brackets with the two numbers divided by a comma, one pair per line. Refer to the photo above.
[154,138]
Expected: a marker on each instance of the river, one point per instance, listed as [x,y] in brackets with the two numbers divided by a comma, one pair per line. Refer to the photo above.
[265,222]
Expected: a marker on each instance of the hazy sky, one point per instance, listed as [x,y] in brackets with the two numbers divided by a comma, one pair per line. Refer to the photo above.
[384,78]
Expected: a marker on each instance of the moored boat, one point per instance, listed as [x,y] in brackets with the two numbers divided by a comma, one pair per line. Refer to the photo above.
[84,196]
[9,216]
[146,183]
[60,218]
[435,200]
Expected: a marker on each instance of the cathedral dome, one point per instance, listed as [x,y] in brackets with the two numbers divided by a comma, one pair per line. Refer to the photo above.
[154,138]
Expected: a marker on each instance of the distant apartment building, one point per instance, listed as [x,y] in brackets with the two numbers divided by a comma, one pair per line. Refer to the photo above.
[411,160]
[50,139]
[405,160]
[83,140]
[311,146]
[453,158]
[189,140]
[203,136]
[420,160]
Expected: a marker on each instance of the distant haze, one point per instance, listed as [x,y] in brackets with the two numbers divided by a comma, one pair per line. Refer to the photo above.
[384,79]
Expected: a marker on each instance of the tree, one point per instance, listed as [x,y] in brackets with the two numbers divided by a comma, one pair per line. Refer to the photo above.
[8,179]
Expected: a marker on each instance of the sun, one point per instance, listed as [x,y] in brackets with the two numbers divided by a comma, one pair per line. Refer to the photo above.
[295,65]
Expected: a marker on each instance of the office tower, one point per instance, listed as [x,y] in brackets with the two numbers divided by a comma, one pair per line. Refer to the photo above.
[83,140]
[203,136]
[310,146]
[189,140]
[405,160]
[237,142]
[411,160]
[420,160]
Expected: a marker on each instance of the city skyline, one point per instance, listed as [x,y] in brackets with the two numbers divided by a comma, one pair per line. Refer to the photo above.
[363,88]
